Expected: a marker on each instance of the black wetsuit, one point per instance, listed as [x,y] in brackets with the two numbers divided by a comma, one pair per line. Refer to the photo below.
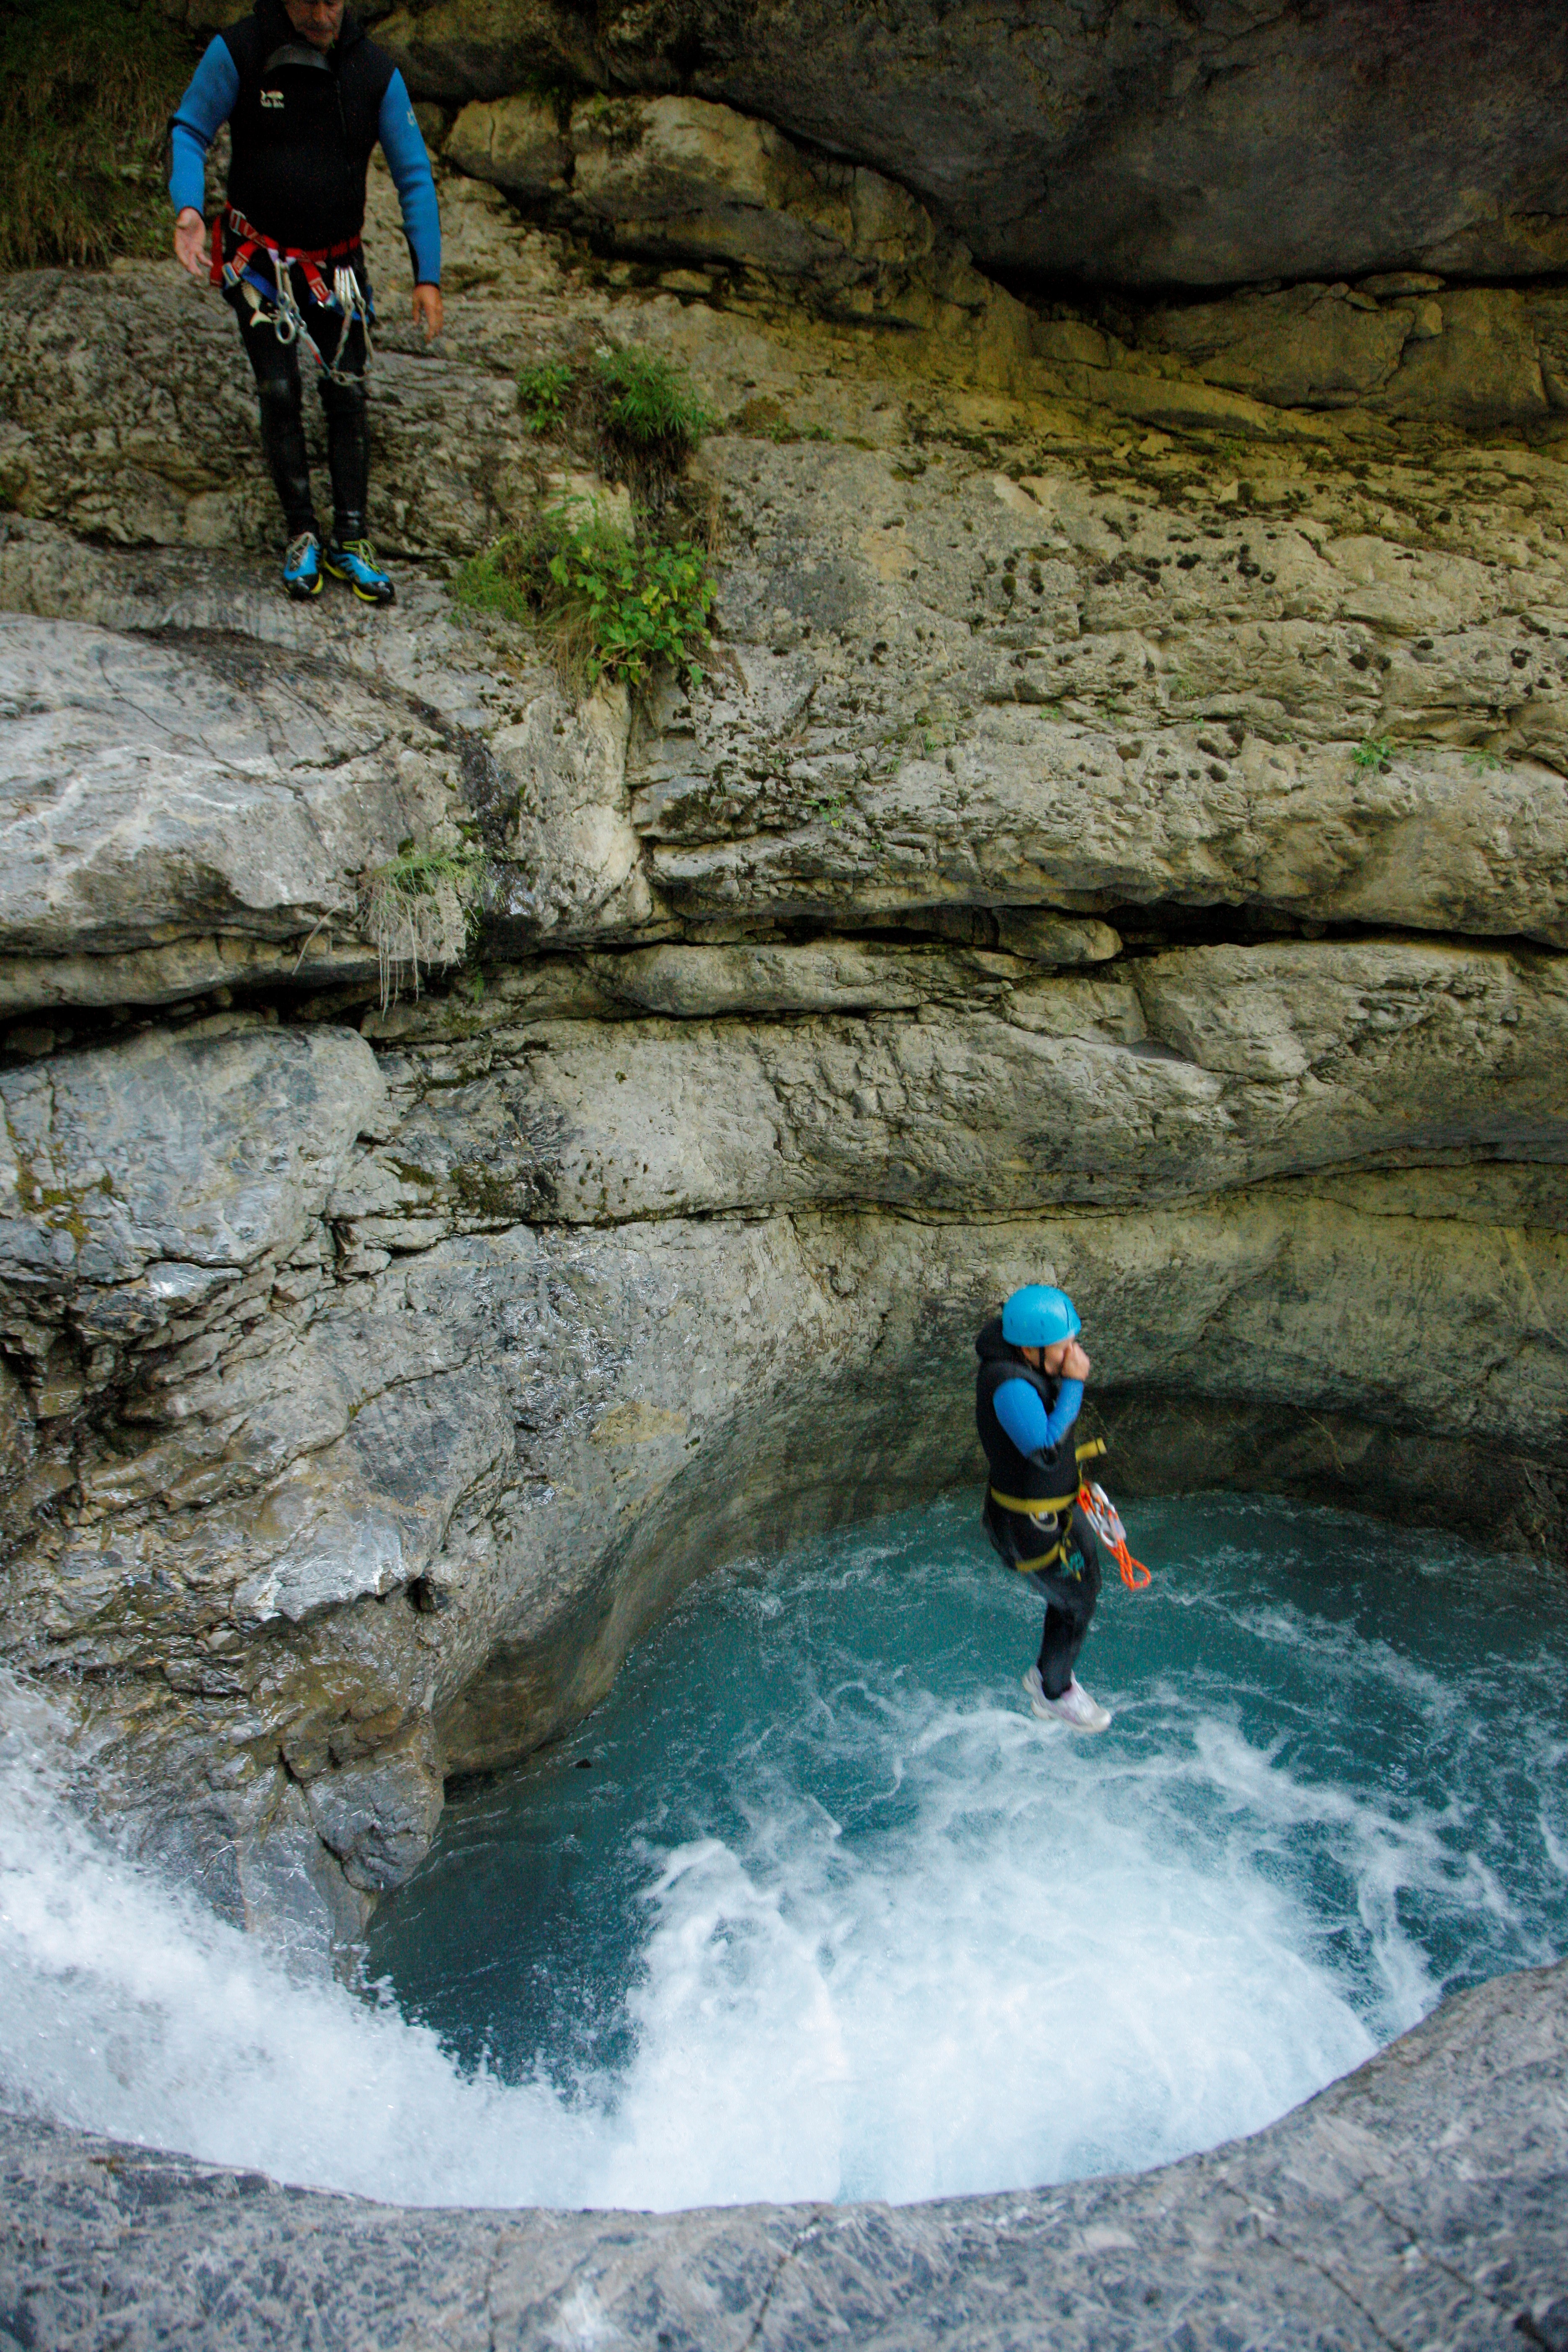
[299,173]
[1061,1540]
[304,124]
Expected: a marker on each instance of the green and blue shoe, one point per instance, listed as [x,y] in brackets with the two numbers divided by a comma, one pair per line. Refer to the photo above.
[302,567]
[353,560]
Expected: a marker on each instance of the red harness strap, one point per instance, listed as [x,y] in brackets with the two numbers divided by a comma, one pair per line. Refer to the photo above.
[252,240]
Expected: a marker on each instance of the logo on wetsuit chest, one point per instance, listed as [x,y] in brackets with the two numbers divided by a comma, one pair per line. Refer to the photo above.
[271,97]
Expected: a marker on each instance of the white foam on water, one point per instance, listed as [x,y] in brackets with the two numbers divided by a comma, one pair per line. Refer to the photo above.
[1029,1985]
[1058,1957]
[1019,1989]
[128,2008]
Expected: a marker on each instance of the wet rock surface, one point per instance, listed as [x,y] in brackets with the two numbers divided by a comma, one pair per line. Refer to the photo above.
[1419,2202]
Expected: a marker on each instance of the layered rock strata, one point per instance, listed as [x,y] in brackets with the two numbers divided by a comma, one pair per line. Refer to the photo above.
[1120,835]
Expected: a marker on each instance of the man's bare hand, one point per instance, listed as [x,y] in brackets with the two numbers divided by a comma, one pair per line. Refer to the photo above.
[191,242]
[428,311]
[1076,1365]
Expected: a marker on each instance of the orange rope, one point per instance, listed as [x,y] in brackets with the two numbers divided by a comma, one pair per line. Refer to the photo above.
[1134,1575]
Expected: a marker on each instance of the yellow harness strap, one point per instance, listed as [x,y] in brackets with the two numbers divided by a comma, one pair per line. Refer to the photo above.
[1035,1506]
[1045,1507]
[1027,1566]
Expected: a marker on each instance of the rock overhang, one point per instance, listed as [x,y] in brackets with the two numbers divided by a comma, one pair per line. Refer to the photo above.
[1200,148]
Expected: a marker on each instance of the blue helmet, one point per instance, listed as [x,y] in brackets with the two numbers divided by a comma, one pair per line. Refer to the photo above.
[1036,1316]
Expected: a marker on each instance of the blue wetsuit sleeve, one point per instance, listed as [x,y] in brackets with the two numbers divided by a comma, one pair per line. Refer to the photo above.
[1031,1428]
[403,145]
[208,102]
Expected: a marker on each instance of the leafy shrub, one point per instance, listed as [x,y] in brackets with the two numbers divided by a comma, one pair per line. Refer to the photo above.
[620,607]
[542,394]
[647,406]
[86,89]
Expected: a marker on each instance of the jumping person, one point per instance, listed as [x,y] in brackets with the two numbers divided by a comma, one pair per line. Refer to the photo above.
[1028,1396]
[307,97]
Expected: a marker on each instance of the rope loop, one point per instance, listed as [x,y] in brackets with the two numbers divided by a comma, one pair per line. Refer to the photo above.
[1100,1512]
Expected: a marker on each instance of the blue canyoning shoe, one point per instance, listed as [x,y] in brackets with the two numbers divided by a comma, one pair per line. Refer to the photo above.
[353,560]
[302,566]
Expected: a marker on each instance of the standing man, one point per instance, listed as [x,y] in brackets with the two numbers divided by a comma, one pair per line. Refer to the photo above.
[307,97]
[1027,1395]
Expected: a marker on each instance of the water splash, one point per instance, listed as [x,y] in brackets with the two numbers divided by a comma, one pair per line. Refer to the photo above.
[831,1915]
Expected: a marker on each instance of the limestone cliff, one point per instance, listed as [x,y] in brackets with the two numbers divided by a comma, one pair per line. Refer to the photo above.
[1121,836]
[1216,143]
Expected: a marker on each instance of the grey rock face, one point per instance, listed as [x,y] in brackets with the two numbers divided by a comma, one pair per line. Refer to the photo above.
[1027,706]
[1196,1072]
[208,1153]
[1420,2201]
[1129,150]
[1121,839]
[196,818]
[1131,854]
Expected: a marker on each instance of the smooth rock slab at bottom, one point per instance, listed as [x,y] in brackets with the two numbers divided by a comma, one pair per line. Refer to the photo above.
[1422,2202]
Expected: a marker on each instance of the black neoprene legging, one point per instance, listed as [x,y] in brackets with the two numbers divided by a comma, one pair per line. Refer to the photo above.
[1070,1606]
[276,370]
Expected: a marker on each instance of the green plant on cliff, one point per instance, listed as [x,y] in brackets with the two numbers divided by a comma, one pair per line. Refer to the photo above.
[542,394]
[648,403]
[647,417]
[1370,758]
[87,87]
[620,607]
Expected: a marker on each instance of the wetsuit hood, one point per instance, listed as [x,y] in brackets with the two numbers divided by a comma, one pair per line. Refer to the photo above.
[990,1345]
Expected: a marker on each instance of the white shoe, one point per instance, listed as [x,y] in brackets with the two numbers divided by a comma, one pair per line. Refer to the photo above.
[1075,1708]
[1034,1692]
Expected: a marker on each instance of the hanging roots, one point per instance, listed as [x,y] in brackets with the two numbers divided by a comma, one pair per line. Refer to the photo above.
[414,912]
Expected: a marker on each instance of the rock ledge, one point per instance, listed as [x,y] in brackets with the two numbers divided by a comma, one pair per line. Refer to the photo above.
[1422,2201]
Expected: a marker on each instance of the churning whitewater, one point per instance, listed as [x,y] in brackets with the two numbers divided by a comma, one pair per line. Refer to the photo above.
[813,1908]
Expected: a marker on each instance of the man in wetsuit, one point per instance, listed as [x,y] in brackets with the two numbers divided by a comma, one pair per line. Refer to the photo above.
[1028,1396]
[307,98]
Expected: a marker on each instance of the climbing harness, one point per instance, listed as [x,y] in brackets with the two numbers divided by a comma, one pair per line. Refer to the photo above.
[1100,1512]
[1097,1510]
[275,305]
[1049,1506]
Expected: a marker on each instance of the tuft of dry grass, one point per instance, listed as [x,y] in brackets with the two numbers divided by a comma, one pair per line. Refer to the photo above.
[418,911]
[87,87]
